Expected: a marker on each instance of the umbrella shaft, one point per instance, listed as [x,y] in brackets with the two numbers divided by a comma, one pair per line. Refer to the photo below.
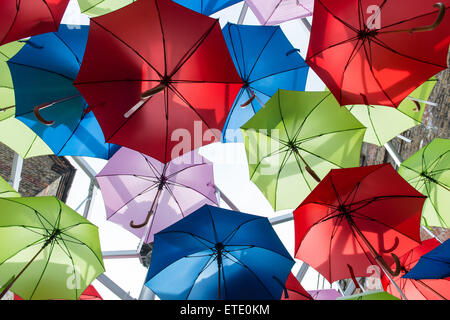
[23,270]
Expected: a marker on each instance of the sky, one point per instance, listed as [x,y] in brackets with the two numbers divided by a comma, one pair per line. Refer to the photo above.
[231,177]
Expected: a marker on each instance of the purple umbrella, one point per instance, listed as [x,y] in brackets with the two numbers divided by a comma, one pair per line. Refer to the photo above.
[272,12]
[140,191]
[327,294]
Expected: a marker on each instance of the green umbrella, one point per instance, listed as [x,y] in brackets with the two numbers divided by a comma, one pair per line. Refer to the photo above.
[6,191]
[52,252]
[385,123]
[295,140]
[370,295]
[13,133]
[428,171]
[96,8]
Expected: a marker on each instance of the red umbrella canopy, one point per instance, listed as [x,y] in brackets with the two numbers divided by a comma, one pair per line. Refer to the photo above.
[25,18]
[354,215]
[295,290]
[364,51]
[159,78]
[418,289]
[89,294]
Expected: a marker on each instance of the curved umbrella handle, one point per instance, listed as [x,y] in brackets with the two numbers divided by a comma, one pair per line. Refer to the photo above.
[398,266]
[138,226]
[38,115]
[312,173]
[248,101]
[430,27]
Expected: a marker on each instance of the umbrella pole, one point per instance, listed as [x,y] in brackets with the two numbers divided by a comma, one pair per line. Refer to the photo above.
[11,283]
[377,257]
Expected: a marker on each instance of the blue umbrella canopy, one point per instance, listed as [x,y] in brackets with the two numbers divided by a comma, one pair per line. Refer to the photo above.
[432,265]
[207,7]
[266,61]
[43,72]
[216,253]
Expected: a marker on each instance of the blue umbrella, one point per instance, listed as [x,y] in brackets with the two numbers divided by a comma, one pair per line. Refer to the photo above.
[266,61]
[432,265]
[219,254]
[207,7]
[46,101]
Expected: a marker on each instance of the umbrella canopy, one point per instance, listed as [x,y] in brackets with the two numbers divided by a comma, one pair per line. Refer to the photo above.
[6,191]
[136,187]
[432,265]
[217,254]
[43,72]
[25,18]
[418,289]
[354,216]
[271,12]
[370,295]
[428,171]
[207,7]
[326,294]
[96,8]
[14,133]
[385,123]
[89,294]
[151,90]
[294,289]
[53,252]
[377,53]
[266,61]
[295,140]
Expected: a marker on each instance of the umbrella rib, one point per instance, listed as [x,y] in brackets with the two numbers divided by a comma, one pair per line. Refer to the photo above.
[41,69]
[51,14]
[90,249]
[154,170]
[177,184]
[196,237]
[337,18]
[24,248]
[287,155]
[333,234]
[332,46]
[147,189]
[12,23]
[441,220]
[299,142]
[93,6]
[309,113]
[353,54]
[30,146]
[128,46]
[163,37]
[408,20]
[206,266]
[43,271]
[249,270]
[190,106]
[242,74]
[265,157]
[71,260]
[38,215]
[281,115]
[213,225]
[242,53]
[277,73]
[261,52]
[236,229]
[256,247]
[193,49]
[273,11]
[166,107]
[383,45]
[174,198]
[68,47]
[373,126]
[129,175]
[299,164]
[185,169]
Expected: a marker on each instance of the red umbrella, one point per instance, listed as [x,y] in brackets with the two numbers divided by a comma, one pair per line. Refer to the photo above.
[418,289]
[355,218]
[159,78]
[89,294]
[295,291]
[25,18]
[378,52]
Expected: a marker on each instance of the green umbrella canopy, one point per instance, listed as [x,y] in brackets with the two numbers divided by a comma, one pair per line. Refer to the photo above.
[13,133]
[6,191]
[295,129]
[96,8]
[56,248]
[385,123]
[370,295]
[428,171]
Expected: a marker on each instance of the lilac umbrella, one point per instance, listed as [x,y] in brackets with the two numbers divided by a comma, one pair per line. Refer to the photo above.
[272,12]
[327,294]
[140,191]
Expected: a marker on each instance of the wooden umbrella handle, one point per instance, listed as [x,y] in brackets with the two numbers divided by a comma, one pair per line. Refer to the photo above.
[38,115]
[248,101]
